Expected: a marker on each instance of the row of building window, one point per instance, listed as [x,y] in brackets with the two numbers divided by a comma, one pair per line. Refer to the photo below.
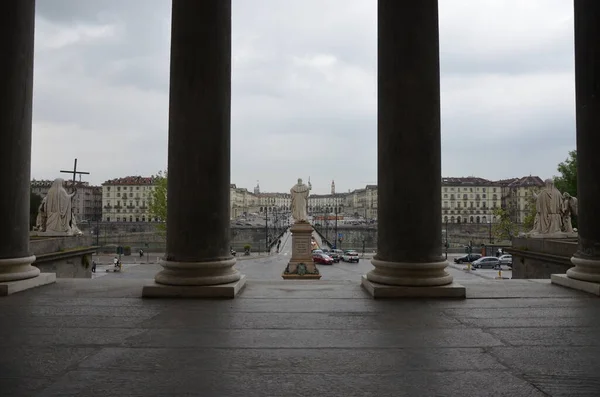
[125,188]
[470,189]
[137,219]
[472,219]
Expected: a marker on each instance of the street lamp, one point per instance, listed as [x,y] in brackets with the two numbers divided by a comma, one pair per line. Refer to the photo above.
[446,238]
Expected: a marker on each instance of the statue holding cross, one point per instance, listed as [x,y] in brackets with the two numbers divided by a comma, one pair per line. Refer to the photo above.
[56,217]
[75,173]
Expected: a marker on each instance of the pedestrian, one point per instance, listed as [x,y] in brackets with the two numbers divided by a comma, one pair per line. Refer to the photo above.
[141,253]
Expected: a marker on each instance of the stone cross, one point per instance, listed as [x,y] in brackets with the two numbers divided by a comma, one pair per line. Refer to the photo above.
[75,172]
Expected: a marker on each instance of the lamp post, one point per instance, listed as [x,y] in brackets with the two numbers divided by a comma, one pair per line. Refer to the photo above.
[446,238]
[266,229]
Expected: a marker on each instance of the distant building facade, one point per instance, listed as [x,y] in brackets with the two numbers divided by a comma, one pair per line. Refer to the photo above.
[470,200]
[517,196]
[87,203]
[127,199]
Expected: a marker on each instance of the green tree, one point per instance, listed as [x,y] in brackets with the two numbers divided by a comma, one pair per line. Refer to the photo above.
[531,211]
[567,181]
[34,202]
[504,228]
[157,207]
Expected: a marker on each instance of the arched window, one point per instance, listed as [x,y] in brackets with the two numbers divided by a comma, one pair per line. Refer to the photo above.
[465,196]
[445,219]
[451,219]
[471,220]
[484,219]
[458,220]
[478,220]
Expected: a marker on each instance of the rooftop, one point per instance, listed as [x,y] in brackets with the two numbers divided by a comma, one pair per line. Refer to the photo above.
[467,181]
[527,181]
[130,180]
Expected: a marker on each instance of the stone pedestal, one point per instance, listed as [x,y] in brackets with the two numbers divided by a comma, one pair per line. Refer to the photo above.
[301,265]
[539,258]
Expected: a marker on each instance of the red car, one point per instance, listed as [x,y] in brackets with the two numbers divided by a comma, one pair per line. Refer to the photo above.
[322,259]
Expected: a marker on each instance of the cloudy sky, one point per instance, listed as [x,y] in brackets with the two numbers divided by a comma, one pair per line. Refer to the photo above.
[304,89]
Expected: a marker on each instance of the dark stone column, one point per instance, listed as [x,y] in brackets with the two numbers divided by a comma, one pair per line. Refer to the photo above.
[16,88]
[409,247]
[199,146]
[587,98]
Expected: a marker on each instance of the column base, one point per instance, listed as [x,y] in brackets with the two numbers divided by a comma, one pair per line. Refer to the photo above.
[220,291]
[11,287]
[198,273]
[580,285]
[376,290]
[409,274]
[13,269]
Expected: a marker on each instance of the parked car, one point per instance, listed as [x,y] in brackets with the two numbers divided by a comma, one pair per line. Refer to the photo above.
[317,251]
[467,258]
[506,260]
[350,256]
[322,259]
[487,261]
[336,254]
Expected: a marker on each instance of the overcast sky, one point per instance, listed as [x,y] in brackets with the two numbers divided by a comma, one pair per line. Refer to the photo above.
[304,89]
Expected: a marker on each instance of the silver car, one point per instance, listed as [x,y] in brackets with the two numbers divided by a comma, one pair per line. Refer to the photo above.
[506,260]
[487,261]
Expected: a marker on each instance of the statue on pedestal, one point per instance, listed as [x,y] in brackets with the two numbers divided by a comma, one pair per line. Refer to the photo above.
[300,193]
[553,213]
[55,214]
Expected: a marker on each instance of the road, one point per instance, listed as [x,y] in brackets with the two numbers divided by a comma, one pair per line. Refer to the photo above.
[270,268]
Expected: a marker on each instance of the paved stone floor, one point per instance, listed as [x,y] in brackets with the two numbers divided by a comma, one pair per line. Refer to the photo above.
[97,337]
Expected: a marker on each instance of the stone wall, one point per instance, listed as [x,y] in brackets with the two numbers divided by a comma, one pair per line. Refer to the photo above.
[145,235]
[538,258]
[67,257]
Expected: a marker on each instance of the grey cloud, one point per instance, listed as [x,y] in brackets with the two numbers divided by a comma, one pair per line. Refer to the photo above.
[505,89]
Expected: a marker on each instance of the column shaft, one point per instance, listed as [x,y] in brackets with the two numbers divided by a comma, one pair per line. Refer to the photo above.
[16,89]
[199,145]
[409,248]
[587,99]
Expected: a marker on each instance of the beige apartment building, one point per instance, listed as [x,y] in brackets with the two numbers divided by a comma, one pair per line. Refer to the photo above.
[470,200]
[517,195]
[127,199]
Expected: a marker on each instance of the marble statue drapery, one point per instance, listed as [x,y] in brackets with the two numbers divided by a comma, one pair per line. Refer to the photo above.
[299,193]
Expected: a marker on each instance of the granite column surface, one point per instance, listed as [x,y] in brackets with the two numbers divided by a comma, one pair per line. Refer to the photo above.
[198,238]
[409,247]
[16,89]
[587,99]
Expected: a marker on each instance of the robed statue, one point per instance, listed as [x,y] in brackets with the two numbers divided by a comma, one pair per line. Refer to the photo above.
[549,210]
[59,209]
[299,193]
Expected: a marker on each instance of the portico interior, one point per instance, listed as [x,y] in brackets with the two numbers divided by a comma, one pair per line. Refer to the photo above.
[409,252]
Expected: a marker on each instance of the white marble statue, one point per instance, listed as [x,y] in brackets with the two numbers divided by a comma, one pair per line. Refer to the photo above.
[299,193]
[40,221]
[549,210]
[59,210]
[569,209]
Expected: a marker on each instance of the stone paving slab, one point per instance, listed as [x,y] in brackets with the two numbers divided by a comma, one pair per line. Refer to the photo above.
[99,338]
